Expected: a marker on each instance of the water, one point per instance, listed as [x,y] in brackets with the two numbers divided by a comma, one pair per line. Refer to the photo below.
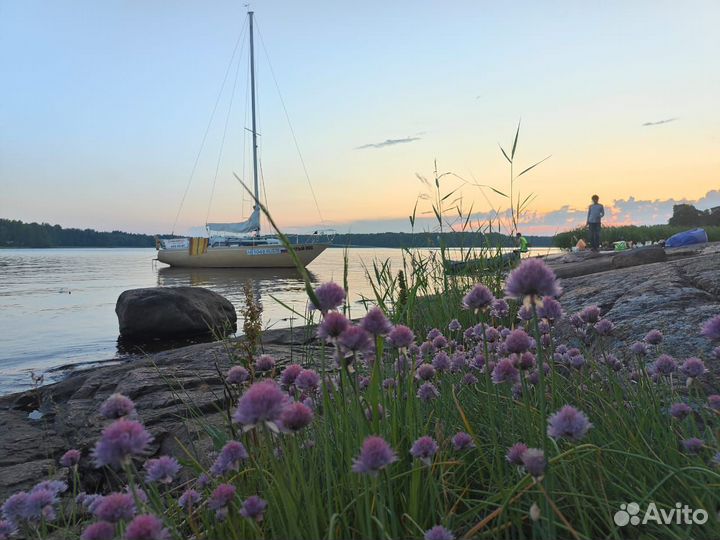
[57,306]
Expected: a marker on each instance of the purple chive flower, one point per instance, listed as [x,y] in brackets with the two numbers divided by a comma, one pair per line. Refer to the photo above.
[713,401]
[13,509]
[680,410]
[334,323]
[550,309]
[427,392]
[264,401]
[505,371]
[500,309]
[478,298]
[438,532]
[693,367]
[532,278]
[469,379]
[638,348]
[517,342]
[389,383]
[330,295]
[253,508]
[462,441]
[432,334]
[115,507]
[355,340]
[534,462]
[203,481]
[229,458]
[70,458]
[162,470]
[401,336]
[289,374]
[454,325]
[117,406]
[376,323]
[665,365]
[189,499]
[441,361]
[220,499]
[440,342]
[604,327]
[307,380]
[146,527]
[296,416]
[119,442]
[653,337]
[424,449]
[590,315]
[265,362]
[425,372]
[716,353]
[569,423]
[692,445]
[102,530]
[711,329]
[40,504]
[237,375]
[515,453]
[525,313]
[375,454]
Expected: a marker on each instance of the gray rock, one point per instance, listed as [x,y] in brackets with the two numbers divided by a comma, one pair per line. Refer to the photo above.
[638,256]
[178,395]
[675,297]
[168,312]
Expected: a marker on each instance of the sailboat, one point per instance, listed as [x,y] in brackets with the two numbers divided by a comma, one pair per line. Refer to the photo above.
[238,245]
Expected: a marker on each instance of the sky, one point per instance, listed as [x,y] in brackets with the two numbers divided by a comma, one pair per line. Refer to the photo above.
[104,107]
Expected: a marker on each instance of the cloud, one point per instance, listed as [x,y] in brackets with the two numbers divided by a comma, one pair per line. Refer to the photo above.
[659,122]
[388,142]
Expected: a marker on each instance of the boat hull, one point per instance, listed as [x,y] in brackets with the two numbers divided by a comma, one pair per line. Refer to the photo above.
[241,256]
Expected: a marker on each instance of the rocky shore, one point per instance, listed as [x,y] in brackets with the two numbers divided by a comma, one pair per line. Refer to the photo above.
[674,292]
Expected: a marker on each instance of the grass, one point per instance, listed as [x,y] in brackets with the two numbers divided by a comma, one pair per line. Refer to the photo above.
[634,233]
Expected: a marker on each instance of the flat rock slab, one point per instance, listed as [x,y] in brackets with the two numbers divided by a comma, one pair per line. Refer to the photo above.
[639,256]
[675,297]
[171,312]
[171,389]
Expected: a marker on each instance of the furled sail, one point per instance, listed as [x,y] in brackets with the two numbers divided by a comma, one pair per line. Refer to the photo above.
[252,224]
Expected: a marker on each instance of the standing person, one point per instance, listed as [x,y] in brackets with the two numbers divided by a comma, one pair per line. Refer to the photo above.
[596,211]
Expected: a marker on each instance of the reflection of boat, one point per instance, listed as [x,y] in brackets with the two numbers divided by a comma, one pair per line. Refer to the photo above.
[225,278]
[226,246]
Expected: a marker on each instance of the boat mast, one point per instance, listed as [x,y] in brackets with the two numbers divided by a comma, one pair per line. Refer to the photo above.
[254,130]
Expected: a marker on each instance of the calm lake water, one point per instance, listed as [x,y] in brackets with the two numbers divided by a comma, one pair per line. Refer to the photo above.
[57,306]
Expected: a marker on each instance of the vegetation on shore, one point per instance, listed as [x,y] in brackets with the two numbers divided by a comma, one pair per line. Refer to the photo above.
[634,233]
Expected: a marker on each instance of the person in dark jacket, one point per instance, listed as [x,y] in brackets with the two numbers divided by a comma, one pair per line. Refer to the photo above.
[596,211]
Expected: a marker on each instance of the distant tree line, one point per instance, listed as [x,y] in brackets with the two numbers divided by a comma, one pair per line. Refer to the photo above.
[14,233]
[431,240]
[686,215]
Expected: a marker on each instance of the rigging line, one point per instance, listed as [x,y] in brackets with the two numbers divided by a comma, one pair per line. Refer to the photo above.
[244,143]
[292,131]
[222,142]
[207,130]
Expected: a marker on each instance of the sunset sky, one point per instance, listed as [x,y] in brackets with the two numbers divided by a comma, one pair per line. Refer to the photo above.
[103,107]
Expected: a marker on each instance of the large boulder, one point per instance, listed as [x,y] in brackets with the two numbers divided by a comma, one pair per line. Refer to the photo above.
[639,256]
[173,312]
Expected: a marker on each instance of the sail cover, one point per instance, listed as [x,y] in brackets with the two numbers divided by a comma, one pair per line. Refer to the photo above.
[252,224]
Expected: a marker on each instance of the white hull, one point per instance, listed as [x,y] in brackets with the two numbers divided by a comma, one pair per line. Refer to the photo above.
[263,256]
